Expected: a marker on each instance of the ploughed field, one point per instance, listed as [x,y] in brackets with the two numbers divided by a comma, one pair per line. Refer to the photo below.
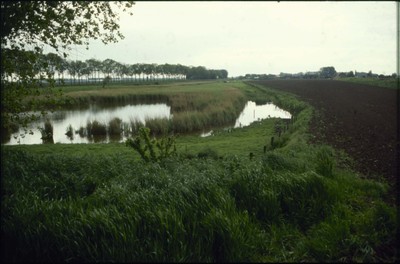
[360,119]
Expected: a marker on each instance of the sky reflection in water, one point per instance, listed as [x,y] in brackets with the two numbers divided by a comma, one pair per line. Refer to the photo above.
[103,113]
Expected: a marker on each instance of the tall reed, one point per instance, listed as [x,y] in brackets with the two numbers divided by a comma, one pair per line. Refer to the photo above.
[114,126]
[97,128]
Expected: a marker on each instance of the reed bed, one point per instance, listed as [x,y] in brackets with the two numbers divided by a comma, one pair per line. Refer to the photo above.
[136,123]
[98,128]
[111,208]
[115,126]
[203,112]
[194,107]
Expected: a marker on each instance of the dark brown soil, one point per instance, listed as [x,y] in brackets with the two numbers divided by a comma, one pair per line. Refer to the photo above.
[360,119]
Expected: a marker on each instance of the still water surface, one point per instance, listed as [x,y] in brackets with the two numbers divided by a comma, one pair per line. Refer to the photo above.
[105,112]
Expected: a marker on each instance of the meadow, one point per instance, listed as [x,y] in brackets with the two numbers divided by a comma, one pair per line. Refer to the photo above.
[209,202]
[392,83]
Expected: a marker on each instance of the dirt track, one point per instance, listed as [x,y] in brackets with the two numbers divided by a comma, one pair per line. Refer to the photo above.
[360,119]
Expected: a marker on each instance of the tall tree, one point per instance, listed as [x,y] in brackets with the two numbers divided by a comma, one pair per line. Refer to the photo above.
[224,74]
[148,70]
[81,69]
[73,69]
[109,67]
[327,72]
[27,27]
[130,71]
[135,69]
[94,66]
[118,70]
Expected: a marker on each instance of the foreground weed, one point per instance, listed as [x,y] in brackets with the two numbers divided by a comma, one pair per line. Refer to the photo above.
[325,162]
[147,148]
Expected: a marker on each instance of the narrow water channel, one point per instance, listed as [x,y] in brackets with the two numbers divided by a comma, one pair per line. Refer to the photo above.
[105,112]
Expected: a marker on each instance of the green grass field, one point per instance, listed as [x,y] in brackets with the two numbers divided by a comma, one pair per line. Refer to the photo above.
[210,202]
[392,83]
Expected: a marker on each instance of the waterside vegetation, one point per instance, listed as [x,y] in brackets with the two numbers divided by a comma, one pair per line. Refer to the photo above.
[258,193]
[194,105]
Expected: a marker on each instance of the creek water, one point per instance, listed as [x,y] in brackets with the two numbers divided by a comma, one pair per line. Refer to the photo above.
[78,116]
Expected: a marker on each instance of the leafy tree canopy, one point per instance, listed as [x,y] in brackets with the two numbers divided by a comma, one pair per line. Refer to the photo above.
[26,28]
[327,72]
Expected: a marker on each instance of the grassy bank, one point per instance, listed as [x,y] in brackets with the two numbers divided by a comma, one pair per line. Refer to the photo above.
[100,202]
[392,83]
[277,207]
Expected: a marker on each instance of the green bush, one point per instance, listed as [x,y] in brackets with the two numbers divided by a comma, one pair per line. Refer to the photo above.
[47,130]
[148,148]
[98,128]
[114,126]
[82,131]
[69,131]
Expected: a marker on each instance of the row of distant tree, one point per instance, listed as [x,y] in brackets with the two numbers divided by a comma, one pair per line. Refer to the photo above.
[93,70]
[324,72]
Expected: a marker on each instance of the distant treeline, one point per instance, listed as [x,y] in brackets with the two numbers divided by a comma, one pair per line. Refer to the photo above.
[93,70]
[324,72]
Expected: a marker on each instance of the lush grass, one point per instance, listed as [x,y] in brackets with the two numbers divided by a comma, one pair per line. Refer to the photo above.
[131,92]
[124,85]
[389,83]
[58,207]
[99,202]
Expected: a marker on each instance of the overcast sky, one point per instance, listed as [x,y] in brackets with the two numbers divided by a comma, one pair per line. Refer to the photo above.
[256,37]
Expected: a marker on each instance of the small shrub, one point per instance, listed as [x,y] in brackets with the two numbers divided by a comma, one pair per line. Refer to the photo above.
[98,128]
[114,126]
[47,130]
[106,80]
[82,131]
[142,144]
[89,127]
[70,131]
